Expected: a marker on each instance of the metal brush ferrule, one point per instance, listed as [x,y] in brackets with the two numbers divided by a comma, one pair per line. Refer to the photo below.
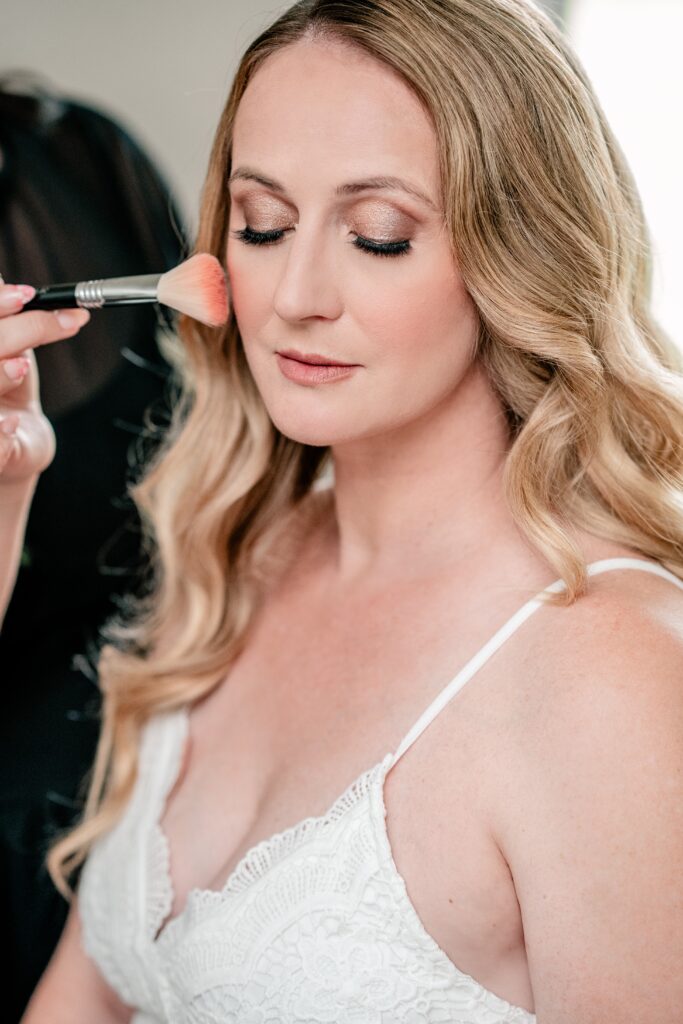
[117,291]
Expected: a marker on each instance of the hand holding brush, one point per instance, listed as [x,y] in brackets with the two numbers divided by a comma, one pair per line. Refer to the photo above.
[196,287]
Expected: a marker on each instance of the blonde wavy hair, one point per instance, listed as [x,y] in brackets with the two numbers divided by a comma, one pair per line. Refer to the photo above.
[549,234]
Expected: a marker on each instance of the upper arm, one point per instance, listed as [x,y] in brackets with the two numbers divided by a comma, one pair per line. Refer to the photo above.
[598,865]
[72,990]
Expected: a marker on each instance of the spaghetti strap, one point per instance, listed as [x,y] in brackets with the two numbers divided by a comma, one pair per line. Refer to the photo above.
[505,631]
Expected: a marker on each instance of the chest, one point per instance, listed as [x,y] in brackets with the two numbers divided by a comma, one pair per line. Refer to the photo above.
[307,707]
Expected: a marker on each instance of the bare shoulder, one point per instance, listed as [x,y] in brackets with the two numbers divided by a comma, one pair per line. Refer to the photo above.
[598,790]
[621,641]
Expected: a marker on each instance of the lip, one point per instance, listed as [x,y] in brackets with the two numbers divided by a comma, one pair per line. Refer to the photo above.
[312,374]
[312,358]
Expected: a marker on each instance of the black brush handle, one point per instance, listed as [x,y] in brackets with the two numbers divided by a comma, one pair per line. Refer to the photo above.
[55,296]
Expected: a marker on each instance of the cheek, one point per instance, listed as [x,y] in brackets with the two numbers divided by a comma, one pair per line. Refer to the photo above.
[249,287]
[247,295]
[426,308]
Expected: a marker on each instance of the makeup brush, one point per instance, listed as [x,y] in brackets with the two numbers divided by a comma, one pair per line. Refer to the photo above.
[196,287]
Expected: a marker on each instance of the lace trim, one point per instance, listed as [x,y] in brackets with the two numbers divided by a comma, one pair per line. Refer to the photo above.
[158,882]
[255,863]
[269,852]
[158,878]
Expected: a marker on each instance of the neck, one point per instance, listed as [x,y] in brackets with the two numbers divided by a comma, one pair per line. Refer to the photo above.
[428,494]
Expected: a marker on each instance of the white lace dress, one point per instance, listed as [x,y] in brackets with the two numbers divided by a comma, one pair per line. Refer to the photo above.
[314,925]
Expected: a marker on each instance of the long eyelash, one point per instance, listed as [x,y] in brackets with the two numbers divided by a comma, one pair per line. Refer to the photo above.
[383,248]
[258,237]
[365,244]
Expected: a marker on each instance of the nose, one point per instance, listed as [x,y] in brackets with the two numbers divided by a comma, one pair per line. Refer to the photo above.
[308,283]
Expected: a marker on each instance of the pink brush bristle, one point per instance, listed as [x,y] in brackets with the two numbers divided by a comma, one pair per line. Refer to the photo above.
[198,288]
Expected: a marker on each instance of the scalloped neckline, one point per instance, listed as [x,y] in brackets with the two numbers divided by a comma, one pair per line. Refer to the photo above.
[363,784]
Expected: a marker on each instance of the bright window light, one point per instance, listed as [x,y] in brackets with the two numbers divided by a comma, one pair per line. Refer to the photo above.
[631,50]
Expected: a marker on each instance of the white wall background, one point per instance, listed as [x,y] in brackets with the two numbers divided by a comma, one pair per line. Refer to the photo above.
[163,68]
[631,50]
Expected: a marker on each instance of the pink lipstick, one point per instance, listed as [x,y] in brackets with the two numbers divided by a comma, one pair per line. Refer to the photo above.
[311,368]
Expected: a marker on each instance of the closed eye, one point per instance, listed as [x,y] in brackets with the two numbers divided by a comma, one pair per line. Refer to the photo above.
[365,244]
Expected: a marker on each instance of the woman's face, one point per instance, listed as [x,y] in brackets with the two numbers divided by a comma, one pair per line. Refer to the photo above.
[314,118]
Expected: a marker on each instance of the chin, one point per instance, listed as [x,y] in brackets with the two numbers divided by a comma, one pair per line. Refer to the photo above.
[317,435]
[306,434]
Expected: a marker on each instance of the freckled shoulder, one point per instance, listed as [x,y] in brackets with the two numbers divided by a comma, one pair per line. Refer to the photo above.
[627,617]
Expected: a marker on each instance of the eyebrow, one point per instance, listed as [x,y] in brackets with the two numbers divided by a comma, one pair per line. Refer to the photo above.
[377,183]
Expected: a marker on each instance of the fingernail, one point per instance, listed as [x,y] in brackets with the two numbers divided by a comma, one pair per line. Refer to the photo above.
[16,369]
[27,290]
[68,318]
[9,424]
